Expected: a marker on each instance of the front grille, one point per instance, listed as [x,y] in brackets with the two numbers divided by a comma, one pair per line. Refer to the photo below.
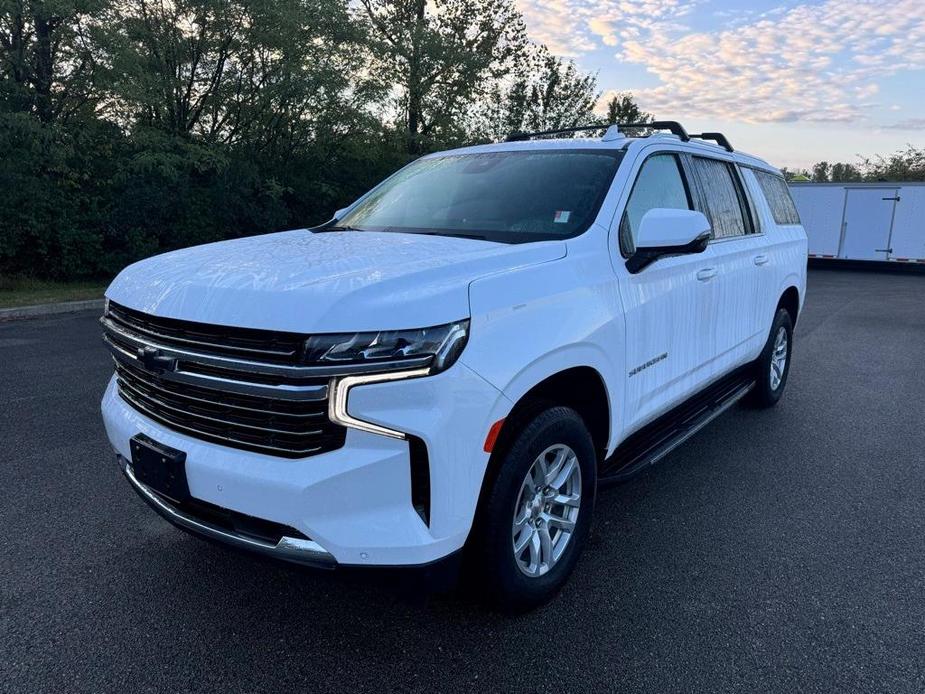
[215,391]
[247,343]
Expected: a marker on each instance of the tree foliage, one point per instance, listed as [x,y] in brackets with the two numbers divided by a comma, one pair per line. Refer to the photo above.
[622,108]
[904,165]
[131,128]
[543,92]
[50,55]
[439,56]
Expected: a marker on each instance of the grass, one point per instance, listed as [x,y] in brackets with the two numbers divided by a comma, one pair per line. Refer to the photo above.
[24,291]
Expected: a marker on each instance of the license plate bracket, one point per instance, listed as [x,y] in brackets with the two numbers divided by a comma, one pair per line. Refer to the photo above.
[160,468]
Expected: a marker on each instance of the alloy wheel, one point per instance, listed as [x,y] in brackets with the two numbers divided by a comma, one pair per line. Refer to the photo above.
[779,358]
[546,510]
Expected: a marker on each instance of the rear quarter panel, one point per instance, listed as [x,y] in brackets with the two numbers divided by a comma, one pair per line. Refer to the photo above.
[787,246]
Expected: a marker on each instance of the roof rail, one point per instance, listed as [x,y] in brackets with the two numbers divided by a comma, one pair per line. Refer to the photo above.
[718,138]
[518,136]
[673,126]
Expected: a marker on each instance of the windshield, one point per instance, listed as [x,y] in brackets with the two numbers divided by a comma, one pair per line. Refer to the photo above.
[512,197]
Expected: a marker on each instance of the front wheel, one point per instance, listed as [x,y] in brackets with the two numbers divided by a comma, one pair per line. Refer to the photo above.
[537,513]
[773,365]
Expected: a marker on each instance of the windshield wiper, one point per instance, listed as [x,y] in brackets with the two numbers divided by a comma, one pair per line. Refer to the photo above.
[453,234]
[336,227]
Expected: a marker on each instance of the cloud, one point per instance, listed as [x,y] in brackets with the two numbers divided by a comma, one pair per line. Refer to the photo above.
[806,62]
[908,124]
[573,27]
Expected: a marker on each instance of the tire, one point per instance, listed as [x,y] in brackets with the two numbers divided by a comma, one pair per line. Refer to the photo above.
[770,372]
[516,510]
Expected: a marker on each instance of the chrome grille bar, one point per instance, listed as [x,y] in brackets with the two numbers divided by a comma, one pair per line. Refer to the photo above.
[159,405]
[120,317]
[244,387]
[160,416]
[214,399]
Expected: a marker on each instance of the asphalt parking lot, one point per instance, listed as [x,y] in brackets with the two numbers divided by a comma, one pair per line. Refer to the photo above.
[780,550]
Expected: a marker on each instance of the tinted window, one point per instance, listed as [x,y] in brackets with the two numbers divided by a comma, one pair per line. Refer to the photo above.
[777,194]
[725,205]
[500,196]
[660,183]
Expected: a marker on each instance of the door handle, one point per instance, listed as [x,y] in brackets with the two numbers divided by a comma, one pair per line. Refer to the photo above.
[706,274]
[761,259]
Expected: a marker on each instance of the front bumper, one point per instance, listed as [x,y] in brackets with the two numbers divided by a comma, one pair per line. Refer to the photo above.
[353,503]
[292,549]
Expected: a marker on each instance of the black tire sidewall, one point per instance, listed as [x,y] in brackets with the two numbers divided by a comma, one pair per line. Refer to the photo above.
[765,395]
[502,581]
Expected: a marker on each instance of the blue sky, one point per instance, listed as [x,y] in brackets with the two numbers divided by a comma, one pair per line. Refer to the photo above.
[792,81]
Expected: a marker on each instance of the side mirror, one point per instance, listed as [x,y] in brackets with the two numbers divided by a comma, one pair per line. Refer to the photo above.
[665,232]
[340,213]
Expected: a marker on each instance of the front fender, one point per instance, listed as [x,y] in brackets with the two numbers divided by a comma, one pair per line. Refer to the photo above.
[532,323]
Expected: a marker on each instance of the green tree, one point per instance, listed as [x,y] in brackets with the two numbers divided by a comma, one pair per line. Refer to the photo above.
[821,172]
[263,73]
[439,57]
[905,165]
[622,108]
[847,173]
[50,55]
[548,93]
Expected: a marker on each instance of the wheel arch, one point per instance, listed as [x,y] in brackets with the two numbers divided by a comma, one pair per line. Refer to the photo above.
[790,300]
[581,388]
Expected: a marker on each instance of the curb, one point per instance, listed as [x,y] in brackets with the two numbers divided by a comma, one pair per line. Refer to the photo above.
[50,309]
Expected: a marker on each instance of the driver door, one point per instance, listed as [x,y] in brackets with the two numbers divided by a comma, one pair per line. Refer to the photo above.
[670,306]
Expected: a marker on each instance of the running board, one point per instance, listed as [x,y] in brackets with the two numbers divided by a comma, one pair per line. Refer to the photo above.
[656,440]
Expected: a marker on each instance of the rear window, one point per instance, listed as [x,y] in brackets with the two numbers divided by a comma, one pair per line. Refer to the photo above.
[777,194]
[727,208]
[511,197]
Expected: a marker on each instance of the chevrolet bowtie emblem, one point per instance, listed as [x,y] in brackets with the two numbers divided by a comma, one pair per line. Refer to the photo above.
[155,360]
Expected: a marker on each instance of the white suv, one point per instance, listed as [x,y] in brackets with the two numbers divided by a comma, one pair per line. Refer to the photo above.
[456,362]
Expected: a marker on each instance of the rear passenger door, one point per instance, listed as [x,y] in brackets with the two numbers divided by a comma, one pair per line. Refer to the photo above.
[737,256]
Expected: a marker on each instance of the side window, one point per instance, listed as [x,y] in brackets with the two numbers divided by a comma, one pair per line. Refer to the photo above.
[726,207]
[660,183]
[777,194]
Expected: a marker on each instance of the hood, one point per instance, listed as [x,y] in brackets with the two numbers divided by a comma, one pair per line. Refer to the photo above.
[301,281]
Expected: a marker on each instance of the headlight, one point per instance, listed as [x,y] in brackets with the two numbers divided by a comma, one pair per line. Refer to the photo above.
[443,343]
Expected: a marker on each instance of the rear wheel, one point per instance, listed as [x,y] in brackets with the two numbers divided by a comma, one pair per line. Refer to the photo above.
[773,365]
[537,514]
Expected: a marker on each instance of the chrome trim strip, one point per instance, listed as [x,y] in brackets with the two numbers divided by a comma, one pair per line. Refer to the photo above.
[206,435]
[128,323]
[340,389]
[288,548]
[123,372]
[266,390]
[246,366]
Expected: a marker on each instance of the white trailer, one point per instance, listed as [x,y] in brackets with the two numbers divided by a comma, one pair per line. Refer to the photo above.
[863,221]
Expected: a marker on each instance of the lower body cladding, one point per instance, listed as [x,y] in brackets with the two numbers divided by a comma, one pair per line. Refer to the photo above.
[350,506]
